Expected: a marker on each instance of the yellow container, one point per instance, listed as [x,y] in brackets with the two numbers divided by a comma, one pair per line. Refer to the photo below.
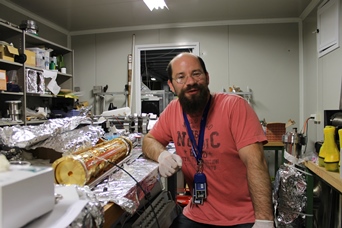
[329,149]
[340,137]
[323,149]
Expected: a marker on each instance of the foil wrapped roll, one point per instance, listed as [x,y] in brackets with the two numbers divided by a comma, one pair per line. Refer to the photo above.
[27,136]
[125,191]
[68,142]
[84,166]
[289,197]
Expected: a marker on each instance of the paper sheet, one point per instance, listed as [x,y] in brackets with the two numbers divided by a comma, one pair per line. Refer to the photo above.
[52,86]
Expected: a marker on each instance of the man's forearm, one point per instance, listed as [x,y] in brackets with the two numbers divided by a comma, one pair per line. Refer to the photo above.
[151,147]
[259,181]
[261,192]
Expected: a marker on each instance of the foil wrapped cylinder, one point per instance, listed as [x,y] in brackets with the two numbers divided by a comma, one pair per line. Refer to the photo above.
[289,197]
[83,166]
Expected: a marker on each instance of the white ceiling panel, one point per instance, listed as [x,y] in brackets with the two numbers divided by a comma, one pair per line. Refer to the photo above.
[78,15]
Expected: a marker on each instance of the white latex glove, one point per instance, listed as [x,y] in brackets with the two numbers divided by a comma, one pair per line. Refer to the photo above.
[263,224]
[169,163]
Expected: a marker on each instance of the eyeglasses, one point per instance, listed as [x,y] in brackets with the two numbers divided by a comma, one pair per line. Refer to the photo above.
[181,79]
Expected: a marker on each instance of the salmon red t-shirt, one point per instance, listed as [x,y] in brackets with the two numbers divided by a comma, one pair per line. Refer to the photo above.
[231,125]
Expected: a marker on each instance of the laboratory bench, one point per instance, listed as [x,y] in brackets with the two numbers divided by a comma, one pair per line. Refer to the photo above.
[331,181]
[332,178]
[112,212]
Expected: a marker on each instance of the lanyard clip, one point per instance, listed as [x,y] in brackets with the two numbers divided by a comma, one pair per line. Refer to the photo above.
[200,166]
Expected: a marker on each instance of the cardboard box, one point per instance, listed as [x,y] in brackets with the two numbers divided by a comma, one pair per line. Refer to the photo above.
[275,132]
[8,52]
[30,58]
[25,194]
[3,81]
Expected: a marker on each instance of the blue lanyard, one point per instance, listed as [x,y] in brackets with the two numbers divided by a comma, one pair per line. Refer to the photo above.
[197,149]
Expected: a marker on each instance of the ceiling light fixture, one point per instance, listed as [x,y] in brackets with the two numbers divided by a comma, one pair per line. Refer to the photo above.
[155,4]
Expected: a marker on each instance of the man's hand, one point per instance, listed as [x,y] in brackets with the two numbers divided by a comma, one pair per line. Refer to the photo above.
[263,224]
[169,163]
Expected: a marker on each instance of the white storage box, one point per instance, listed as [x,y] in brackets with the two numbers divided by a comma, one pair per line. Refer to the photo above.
[42,57]
[26,194]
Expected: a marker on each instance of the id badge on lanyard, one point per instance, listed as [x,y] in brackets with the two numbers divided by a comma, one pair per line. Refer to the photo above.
[200,185]
[200,180]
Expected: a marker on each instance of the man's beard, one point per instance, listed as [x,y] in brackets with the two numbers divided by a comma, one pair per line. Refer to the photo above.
[196,103]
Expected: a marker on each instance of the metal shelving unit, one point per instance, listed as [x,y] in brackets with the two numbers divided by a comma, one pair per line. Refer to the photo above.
[247,95]
[11,35]
[22,40]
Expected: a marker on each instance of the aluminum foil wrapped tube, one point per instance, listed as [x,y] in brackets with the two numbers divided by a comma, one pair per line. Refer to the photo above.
[71,141]
[290,197]
[123,190]
[83,166]
[27,136]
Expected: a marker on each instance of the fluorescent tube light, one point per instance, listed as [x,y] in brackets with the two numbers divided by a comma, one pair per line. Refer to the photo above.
[155,4]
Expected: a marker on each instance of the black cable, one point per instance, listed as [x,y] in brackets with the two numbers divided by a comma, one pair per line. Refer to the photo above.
[123,224]
[147,196]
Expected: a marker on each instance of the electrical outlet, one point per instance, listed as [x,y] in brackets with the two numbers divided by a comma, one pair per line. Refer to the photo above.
[316,117]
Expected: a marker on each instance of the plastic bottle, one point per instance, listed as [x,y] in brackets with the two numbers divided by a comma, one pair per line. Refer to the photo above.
[330,150]
[322,150]
[340,138]
[54,59]
[52,65]
[47,65]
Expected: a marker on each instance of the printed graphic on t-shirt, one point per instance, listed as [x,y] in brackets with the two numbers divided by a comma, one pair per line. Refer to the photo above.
[210,143]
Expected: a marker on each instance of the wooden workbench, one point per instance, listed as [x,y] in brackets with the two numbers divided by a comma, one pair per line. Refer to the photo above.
[112,213]
[332,178]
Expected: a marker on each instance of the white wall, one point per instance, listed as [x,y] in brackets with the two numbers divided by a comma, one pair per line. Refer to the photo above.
[311,93]
[45,31]
[322,78]
[264,57]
